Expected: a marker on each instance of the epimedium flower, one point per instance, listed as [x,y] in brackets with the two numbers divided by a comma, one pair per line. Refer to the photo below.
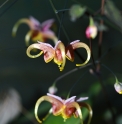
[91,30]
[65,108]
[56,53]
[38,31]
[59,53]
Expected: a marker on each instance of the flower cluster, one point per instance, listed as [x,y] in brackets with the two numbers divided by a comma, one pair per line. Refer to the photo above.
[59,53]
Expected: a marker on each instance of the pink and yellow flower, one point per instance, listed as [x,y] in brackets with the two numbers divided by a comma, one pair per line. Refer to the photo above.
[38,31]
[64,108]
[59,53]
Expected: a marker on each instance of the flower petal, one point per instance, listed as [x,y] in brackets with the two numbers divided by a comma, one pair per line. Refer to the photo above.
[59,57]
[28,36]
[57,105]
[38,36]
[56,97]
[70,50]
[77,44]
[76,105]
[47,24]
[82,99]
[35,24]
[70,53]
[89,109]
[50,35]
[33,46]
[43,98]
[47,49]
[71,99]
[24,20]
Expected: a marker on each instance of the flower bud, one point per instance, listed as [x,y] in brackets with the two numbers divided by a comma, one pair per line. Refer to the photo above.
[91,31]
[52,90]
[118,87]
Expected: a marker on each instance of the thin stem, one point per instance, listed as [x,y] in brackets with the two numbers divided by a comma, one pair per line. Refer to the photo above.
[110,71]
[3,4]
[62,19]
[55,11]
[71,71]
[100,35]
[107,99]
[8,7]
[76,83]
[62,10]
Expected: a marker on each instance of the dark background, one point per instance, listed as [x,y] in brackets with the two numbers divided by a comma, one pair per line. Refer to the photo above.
[32,77]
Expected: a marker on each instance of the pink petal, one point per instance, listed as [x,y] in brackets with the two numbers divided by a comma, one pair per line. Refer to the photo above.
[69,100]
[70,50]
[35,24]
[75,44]
[47,24]
[48,34]
[82,99]
[48,50]
[58,54]
[56,97]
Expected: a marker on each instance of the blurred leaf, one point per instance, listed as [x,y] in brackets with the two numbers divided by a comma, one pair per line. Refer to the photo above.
[113,13]
[101,27]
[95,89]
[76,11]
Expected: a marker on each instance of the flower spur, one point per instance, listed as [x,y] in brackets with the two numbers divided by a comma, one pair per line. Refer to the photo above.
[37,31]
[59,53]
[64,108]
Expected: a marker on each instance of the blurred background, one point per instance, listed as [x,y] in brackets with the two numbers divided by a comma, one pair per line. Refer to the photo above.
[23,80]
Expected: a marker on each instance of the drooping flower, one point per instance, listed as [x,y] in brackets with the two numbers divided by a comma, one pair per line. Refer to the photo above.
[56,53]
[59,53]
[91,30]
[74,45]
[37,30]
[65,108]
